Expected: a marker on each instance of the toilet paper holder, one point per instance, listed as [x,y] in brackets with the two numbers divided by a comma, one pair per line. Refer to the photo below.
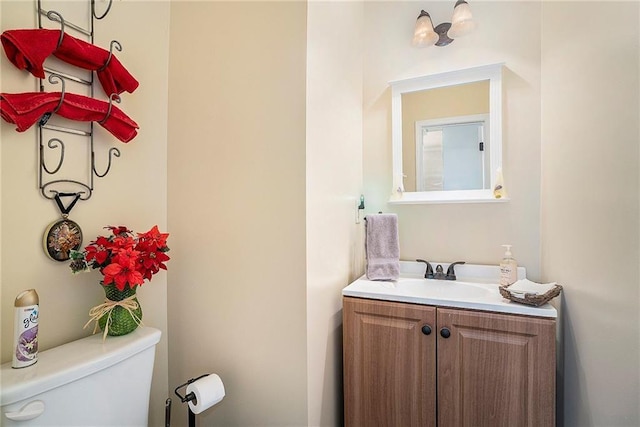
[184,399]
[191,396]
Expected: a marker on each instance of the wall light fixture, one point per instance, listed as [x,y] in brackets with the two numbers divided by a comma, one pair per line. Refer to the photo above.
[462,23]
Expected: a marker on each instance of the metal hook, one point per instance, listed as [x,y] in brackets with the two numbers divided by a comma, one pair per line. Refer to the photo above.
[60,19]
[118,46]
[93,9]
[52,78]
[46,116]
[114,97]
[52,144]
[113,152]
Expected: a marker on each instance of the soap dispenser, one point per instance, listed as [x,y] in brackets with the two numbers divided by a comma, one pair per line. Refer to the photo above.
[508,268]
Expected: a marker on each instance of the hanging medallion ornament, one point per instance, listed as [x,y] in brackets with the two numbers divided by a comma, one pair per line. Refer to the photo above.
[64,235]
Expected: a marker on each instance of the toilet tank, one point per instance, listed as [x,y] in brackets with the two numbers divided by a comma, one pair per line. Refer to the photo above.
[86,382]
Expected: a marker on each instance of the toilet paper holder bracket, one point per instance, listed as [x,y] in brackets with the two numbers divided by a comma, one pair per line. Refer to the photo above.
[190,396]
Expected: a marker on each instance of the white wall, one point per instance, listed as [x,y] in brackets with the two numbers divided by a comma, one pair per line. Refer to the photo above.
[334,184]
[237,207]
[590,197]
[133,194]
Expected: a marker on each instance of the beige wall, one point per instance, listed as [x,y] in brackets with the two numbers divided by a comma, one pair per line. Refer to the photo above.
[469,232]
[133,194]
[334,184]
[237,207]
[590,197]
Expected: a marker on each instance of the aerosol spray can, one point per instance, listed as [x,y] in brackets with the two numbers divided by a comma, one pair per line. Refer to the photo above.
[25,334]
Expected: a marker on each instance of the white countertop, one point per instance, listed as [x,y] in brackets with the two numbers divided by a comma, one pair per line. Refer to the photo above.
[476,288]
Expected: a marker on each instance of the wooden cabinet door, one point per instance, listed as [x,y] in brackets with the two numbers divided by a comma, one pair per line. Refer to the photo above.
[495,370]
[389,364]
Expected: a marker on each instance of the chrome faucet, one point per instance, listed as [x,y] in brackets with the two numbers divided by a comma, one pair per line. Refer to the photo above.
[439,273]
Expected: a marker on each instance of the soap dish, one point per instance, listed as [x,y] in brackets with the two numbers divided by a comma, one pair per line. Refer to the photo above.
[530,298]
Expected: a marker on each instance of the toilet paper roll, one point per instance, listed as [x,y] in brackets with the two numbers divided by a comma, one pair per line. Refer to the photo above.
[208,390]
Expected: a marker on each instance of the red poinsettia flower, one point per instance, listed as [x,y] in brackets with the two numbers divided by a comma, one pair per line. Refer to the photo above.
[150,262]
[123,270]
[121,229]
[123,259]
[153,239]
[122,241]
[98,250]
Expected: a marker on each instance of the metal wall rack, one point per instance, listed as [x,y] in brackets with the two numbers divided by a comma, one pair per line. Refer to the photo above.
[50,187]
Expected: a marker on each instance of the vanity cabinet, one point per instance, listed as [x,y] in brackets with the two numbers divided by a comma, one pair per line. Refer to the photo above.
[419,365]
[389,364]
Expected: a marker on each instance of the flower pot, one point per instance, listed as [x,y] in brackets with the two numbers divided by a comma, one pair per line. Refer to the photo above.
[121,320]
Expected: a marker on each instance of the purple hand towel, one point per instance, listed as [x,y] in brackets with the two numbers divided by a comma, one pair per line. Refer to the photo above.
[382,247]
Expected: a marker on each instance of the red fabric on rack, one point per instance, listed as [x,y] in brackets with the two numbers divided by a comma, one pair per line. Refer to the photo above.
[27,49]
[25,109]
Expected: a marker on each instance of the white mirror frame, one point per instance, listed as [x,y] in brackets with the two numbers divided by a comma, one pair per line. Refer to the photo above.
[493,73]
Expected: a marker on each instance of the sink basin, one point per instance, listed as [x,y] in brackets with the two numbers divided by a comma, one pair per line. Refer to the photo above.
[476,288]
[442,288]
[430,289]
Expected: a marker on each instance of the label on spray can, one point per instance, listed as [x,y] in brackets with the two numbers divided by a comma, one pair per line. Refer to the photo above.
[25,337]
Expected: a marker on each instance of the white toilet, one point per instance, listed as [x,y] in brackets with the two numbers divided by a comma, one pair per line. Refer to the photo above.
[83,383]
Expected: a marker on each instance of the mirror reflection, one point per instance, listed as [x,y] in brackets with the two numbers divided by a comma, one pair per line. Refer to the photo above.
[445,143]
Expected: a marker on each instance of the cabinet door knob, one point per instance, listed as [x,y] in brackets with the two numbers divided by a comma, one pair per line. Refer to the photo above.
[445,333]
[426,329]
